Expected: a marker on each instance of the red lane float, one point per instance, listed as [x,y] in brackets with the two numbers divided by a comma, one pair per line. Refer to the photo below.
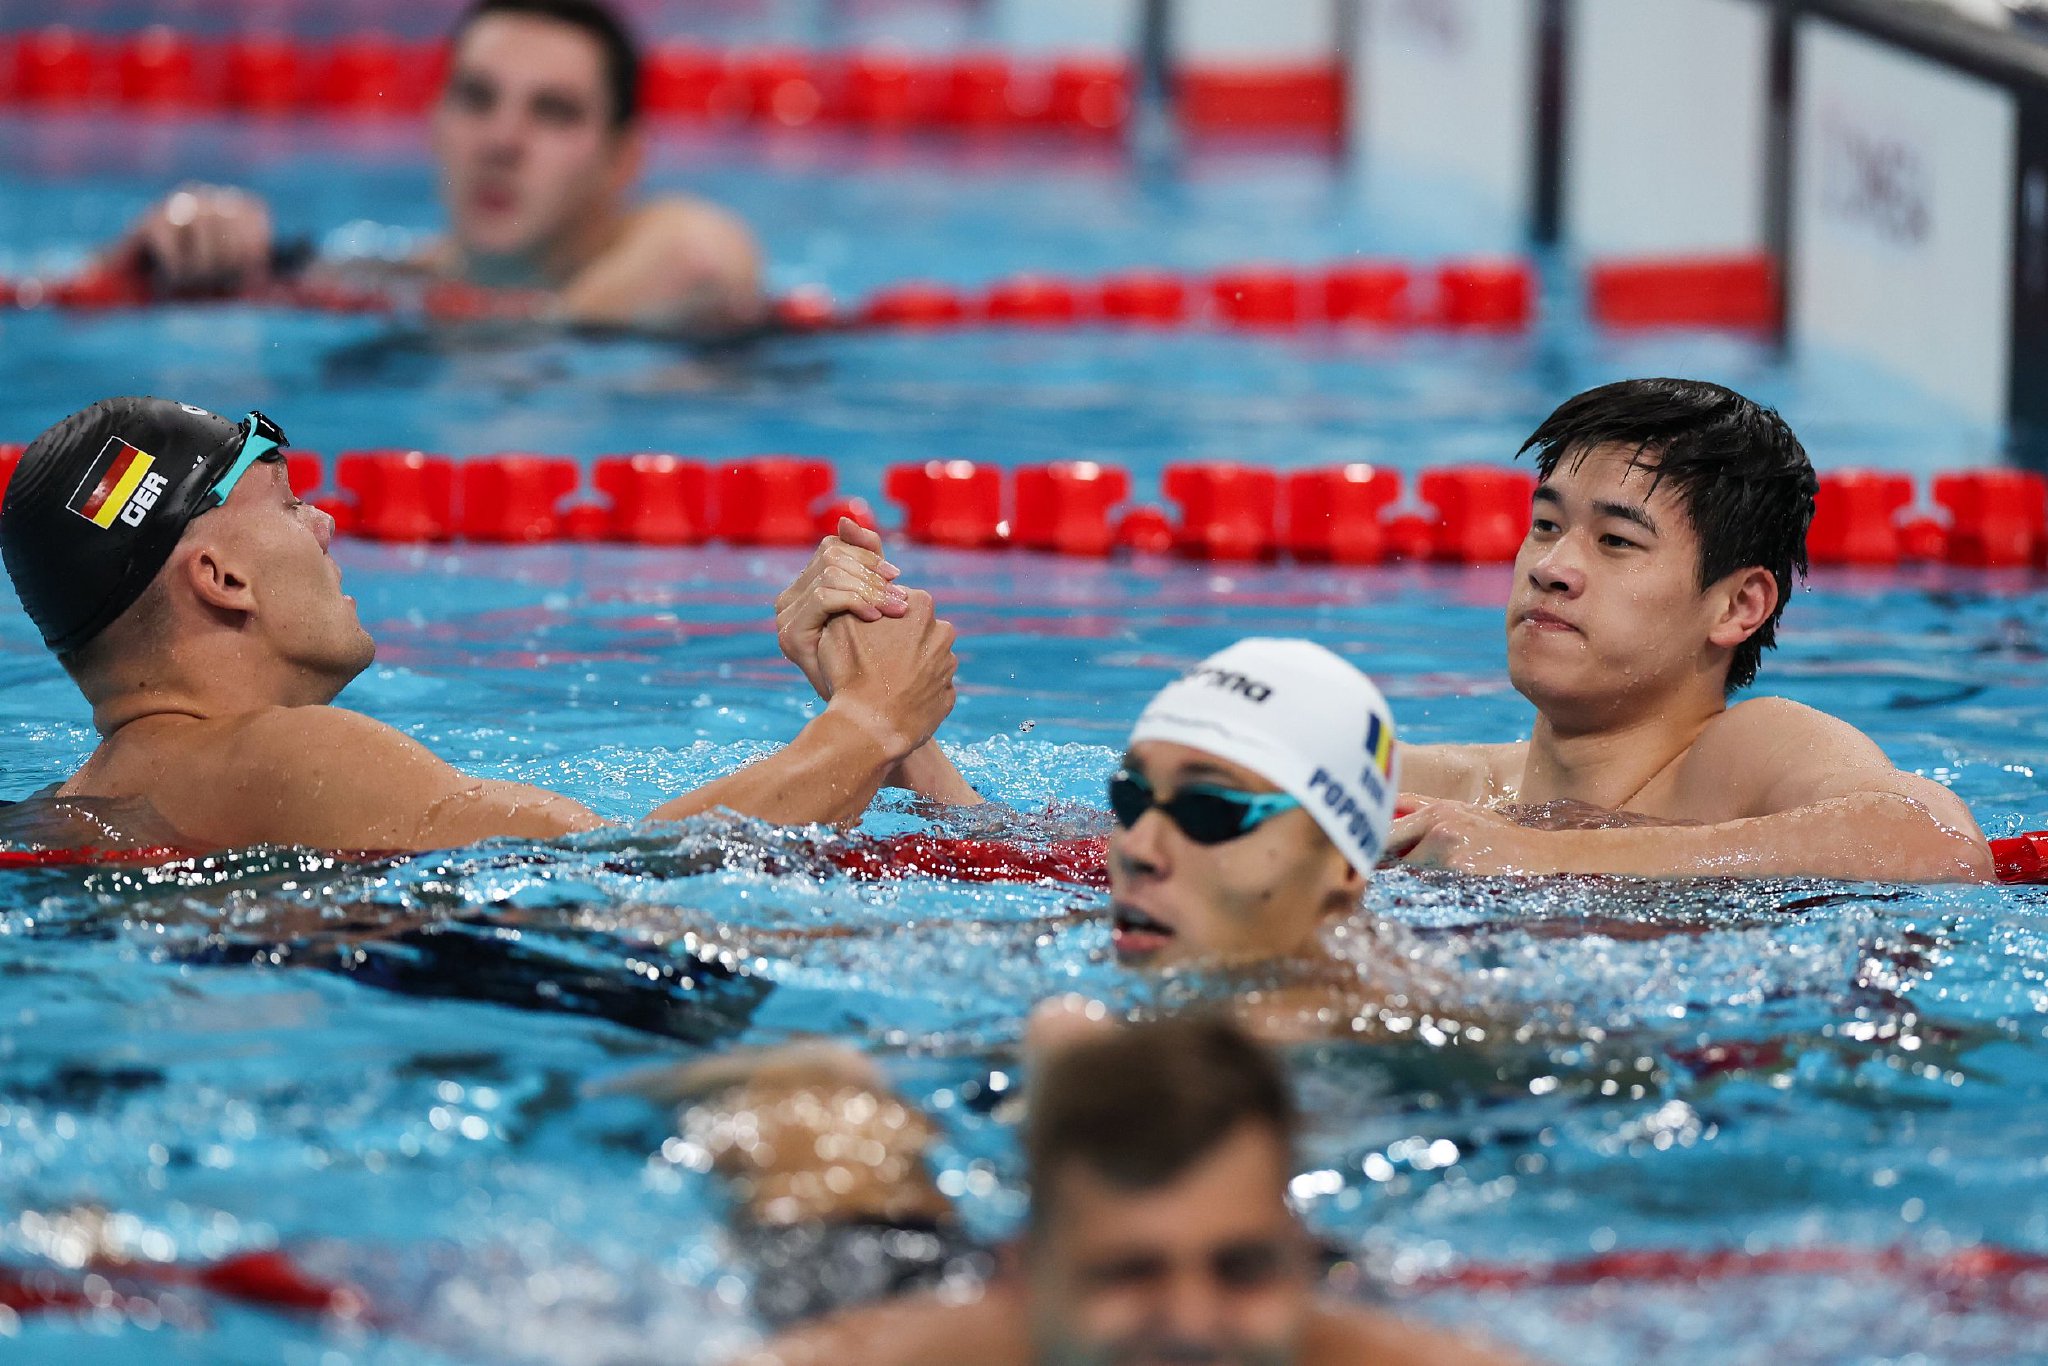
[1153,297]
[1856,518]
[1486,295]
[514,498]
[772,501]
[949,502]
[2021,858]
[1482,512]
[656,499]
[1336,516]
[1998,519]
[1064,507]
[403,496]
[1698,291]
[1369,293]
[1083,862]
[1300,98]
[1227,511]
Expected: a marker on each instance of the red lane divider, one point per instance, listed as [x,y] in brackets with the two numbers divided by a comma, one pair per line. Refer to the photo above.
[2019,858]
[159,70]
[1348,514]
[267,1279]
[1478,295]
[1984,1272]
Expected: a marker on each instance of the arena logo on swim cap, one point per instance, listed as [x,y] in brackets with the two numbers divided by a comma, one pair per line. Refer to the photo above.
[1231,681]
[119,485]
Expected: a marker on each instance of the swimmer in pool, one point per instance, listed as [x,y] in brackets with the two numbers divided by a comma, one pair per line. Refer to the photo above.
[161,553]
[1669,521]
[1158,1158]
[539,143]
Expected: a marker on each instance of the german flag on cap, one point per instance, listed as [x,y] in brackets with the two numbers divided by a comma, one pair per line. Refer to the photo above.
[111,484]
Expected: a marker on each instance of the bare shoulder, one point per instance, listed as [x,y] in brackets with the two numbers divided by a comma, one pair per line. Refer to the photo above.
[1780,720]
[1466,773]
[1346,1334]
[301,738]
[700,230]
[1770,754]
[915,1330]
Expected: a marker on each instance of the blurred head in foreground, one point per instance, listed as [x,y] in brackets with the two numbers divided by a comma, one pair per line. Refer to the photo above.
[1254,799]
[1159,1157]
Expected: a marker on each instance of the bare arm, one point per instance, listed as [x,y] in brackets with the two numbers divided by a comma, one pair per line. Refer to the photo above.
[680,265]
[1826,803]
[1336,1335]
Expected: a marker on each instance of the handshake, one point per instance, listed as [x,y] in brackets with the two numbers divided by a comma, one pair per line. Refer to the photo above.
[877,653]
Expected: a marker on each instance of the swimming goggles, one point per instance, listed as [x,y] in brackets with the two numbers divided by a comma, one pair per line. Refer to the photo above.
[1204,813]
[261,440]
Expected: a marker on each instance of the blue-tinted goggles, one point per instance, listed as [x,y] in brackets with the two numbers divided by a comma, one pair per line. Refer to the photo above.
[1205,813]
[261,439]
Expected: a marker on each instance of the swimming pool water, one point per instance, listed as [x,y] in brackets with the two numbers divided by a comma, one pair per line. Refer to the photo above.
[387,1068]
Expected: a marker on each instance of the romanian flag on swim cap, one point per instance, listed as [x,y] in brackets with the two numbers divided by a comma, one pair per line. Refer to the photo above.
[1379,743]
[108,486]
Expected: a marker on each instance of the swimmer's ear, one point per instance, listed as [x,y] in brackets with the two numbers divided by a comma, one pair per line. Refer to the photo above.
[1745,600]
[216,582]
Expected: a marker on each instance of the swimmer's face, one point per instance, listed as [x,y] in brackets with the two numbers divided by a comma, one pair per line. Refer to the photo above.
[1607,616]
[524,136]
[1209,1268]
[1261,895]
[270,550]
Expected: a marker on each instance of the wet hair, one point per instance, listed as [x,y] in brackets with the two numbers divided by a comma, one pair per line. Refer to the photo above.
[1141,1105]
[620,53]
[1740,474]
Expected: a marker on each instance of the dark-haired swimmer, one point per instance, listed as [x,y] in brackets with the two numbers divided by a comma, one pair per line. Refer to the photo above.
[1158,1158]
[162,554]
[539,143]
[1669,522]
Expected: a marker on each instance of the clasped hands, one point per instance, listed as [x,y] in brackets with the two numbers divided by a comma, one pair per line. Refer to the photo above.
[868,645]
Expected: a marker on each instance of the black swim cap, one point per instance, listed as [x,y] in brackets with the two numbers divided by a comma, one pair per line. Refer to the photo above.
[99,501]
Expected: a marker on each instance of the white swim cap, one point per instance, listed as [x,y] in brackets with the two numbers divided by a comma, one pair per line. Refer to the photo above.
[1302,719]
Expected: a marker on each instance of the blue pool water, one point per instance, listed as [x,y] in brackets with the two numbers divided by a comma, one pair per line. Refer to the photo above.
[279,1051]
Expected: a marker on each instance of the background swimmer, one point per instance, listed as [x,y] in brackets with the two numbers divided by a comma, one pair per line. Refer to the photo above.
[190,594]
[1158,1158]
[539,142]
[1667,529]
